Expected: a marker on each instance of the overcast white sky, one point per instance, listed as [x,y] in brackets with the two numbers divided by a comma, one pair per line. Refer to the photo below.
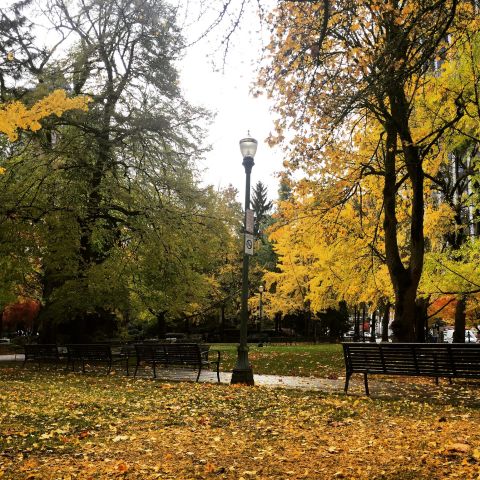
[227,92]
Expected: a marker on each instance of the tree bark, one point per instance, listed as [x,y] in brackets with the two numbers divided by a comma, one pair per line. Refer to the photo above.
[373,326]
[460,320]
[356,328]
[161,324]
[421,326]
[405,280]
[385,321]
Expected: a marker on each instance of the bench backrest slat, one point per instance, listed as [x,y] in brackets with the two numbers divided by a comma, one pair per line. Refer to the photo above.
[171,353]
[41,350]
[178,353]
[90,351]
[151,352]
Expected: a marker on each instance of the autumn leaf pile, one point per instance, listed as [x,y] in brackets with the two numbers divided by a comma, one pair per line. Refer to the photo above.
[68,426]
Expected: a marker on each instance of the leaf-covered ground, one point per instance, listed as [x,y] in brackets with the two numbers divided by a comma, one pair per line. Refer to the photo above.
[64,426]
[304,360]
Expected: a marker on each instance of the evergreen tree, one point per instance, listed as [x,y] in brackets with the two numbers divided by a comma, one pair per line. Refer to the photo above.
[261,206]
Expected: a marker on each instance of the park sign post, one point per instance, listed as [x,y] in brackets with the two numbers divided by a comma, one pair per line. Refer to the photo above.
[249,244]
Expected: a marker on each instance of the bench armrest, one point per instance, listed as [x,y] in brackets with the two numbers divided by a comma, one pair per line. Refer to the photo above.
[218,356]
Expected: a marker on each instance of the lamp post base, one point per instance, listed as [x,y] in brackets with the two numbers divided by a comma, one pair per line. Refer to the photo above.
[242,372]
[242,376]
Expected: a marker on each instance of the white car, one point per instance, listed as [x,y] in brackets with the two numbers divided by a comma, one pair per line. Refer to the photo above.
[470,336]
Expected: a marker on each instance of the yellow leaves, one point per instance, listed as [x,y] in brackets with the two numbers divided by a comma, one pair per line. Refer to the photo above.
[439,220]
[455,448]
[321,435]
[16,116]
[476,454]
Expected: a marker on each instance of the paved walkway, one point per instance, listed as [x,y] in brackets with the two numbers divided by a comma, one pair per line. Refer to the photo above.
[207,376]
[387,388]
[306,383]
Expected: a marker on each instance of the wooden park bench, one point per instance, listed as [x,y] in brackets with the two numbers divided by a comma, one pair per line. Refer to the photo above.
[176,354]
[95,353]
[447,360]
[41,353]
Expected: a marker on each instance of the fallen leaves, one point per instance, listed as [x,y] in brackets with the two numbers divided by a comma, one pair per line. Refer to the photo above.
[455,448]
[81,427]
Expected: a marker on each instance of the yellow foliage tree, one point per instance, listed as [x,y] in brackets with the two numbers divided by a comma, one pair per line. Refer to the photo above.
[348,78]
[16,116]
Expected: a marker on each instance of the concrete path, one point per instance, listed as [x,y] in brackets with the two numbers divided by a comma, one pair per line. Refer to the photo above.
[387,388]
[178,374]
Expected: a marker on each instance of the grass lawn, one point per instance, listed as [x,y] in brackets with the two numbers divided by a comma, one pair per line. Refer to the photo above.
[55,425]
[322,360]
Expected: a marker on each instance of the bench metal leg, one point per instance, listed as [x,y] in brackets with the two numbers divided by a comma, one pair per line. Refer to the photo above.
[365,378]
[199,371]
[347,381]
[218,372]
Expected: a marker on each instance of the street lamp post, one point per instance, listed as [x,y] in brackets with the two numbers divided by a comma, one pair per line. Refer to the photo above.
[261,289]
[242,372]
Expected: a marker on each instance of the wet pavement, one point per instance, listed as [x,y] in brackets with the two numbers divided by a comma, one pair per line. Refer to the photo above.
[459,392]
[179,374]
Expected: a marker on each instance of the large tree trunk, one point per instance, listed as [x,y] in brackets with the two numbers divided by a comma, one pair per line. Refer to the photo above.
[161,323]
[222,322]
[278,321]
[385,321]
[460,317]
[373,326]
[405,312]
[364,316]
[405,280]
[421,326]
[356,328]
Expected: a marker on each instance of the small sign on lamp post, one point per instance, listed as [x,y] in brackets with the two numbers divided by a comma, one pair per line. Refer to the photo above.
[249,244]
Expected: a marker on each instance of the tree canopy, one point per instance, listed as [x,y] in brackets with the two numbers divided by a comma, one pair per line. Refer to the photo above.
[107,202]
[366,105]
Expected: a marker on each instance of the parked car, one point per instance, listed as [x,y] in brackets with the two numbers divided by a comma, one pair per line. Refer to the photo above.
[349,335]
